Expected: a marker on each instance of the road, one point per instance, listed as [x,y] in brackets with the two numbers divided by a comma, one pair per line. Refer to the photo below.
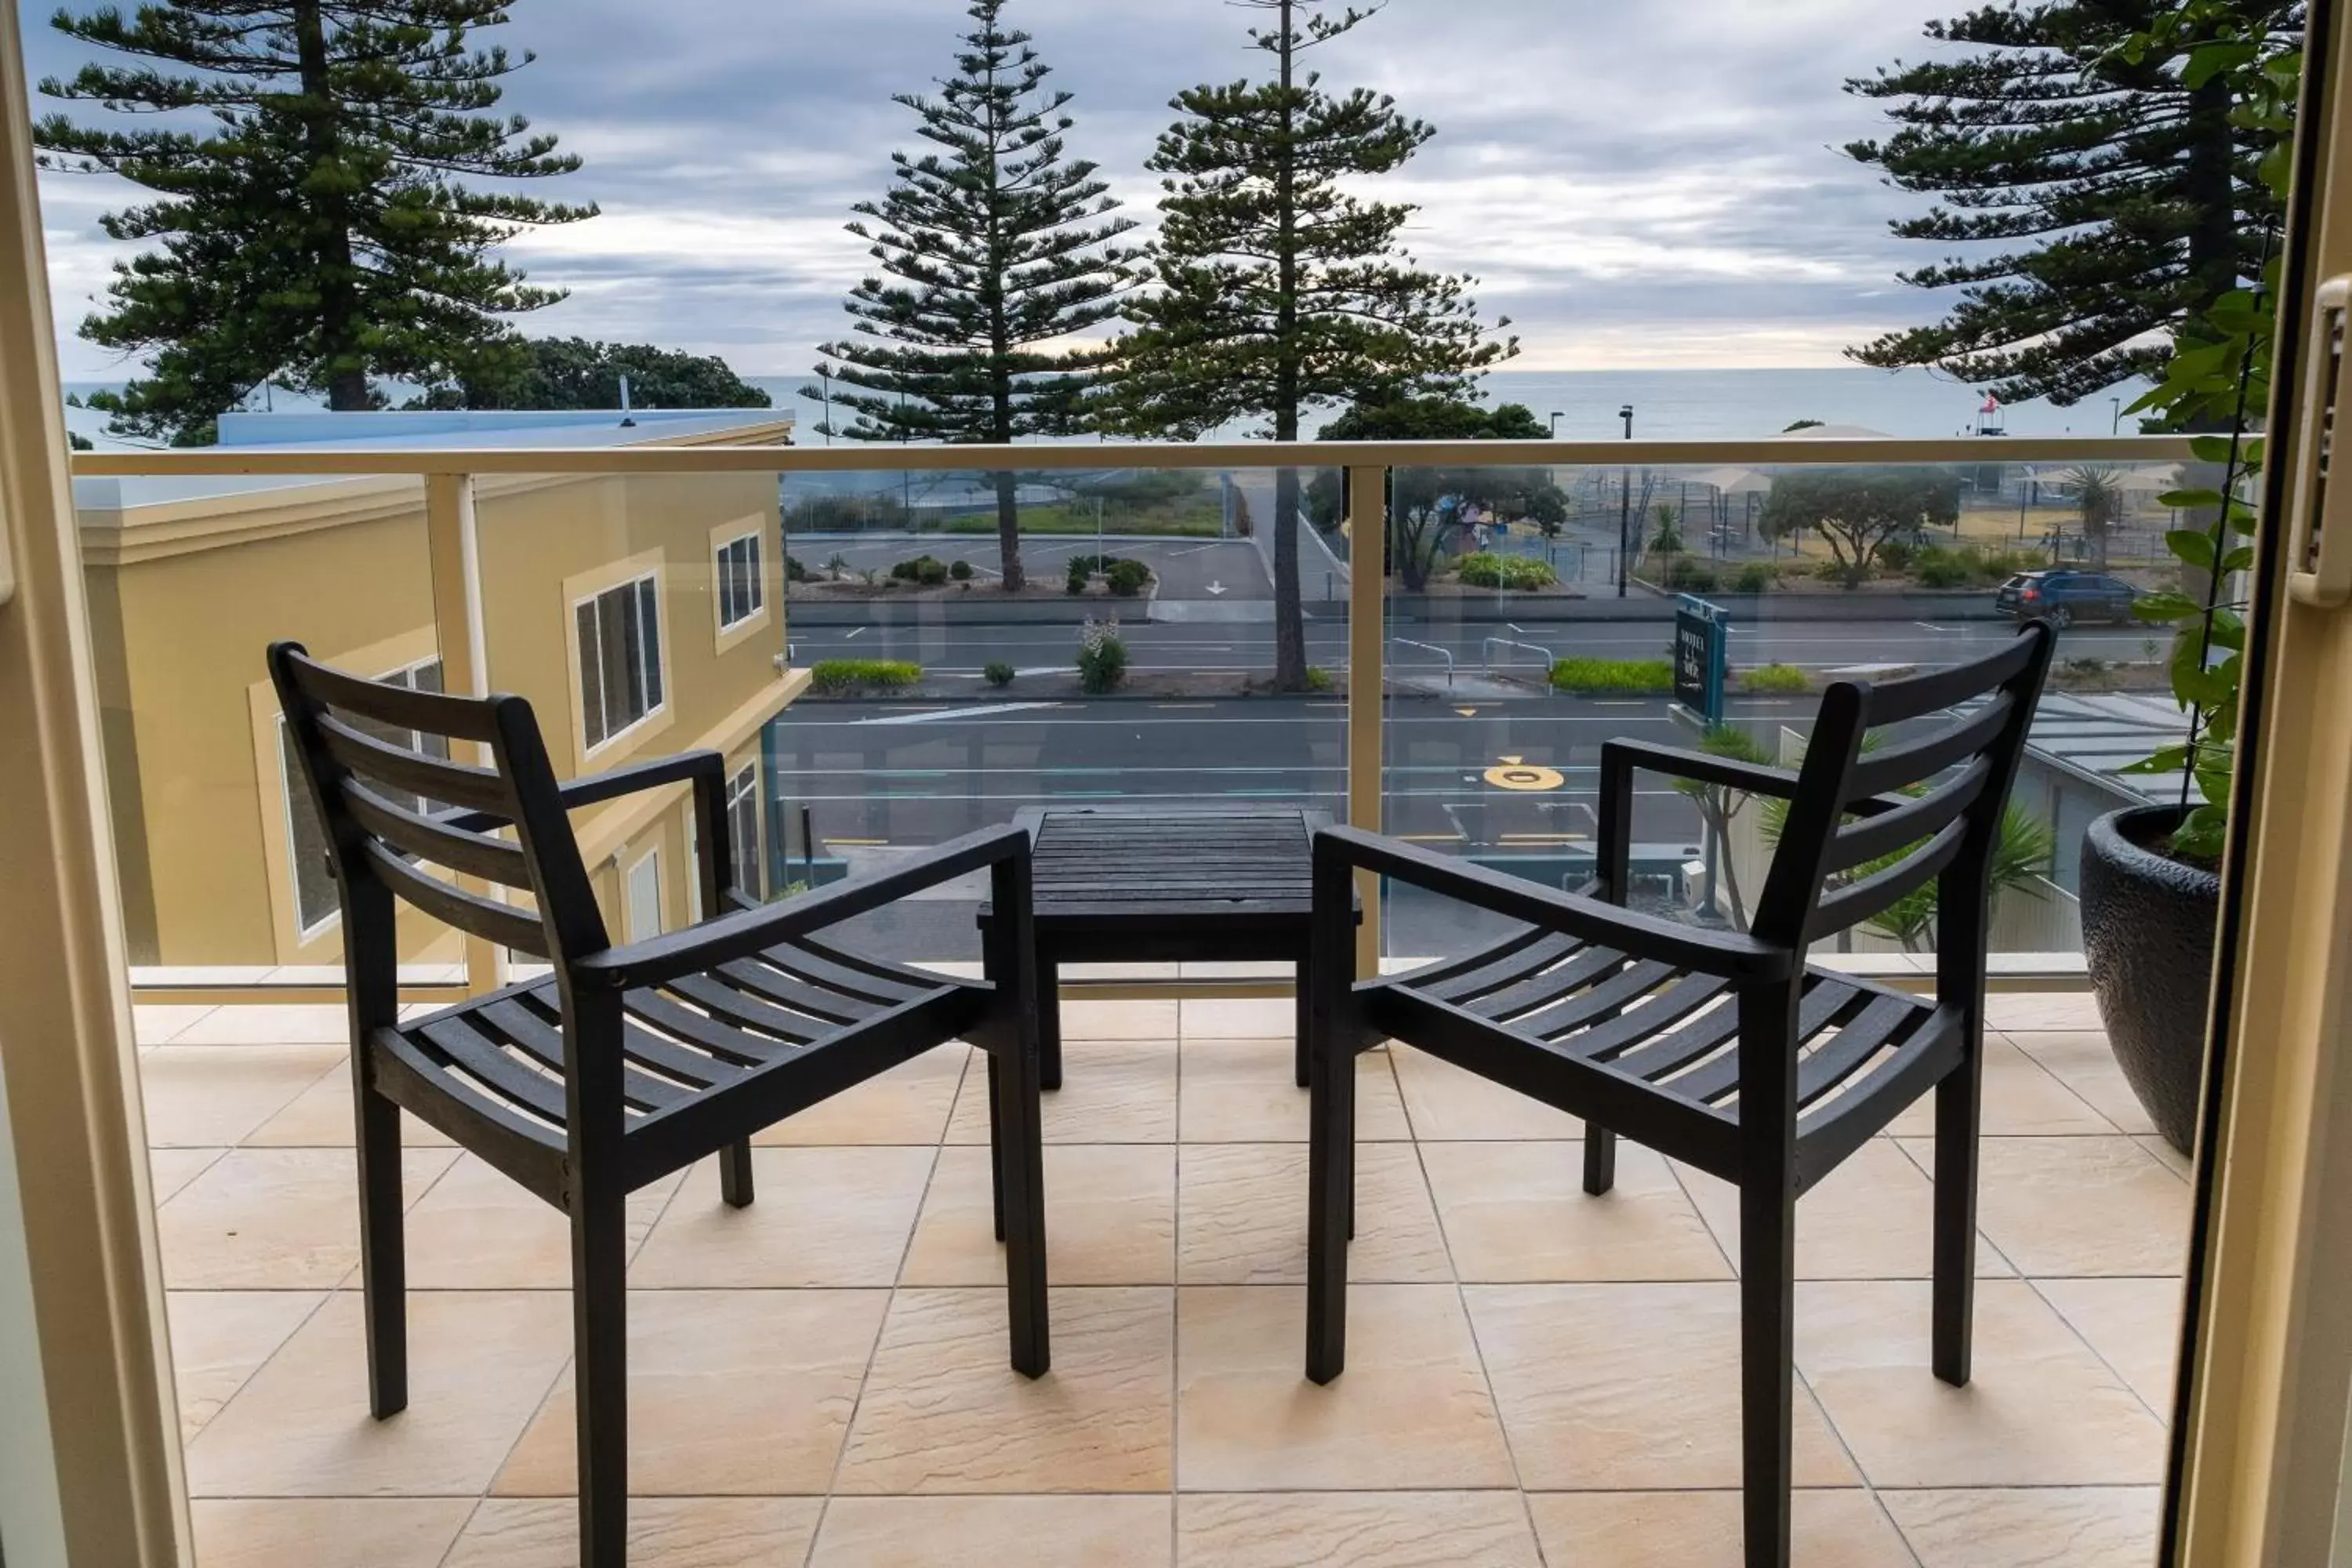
[1227,570]
[953,649]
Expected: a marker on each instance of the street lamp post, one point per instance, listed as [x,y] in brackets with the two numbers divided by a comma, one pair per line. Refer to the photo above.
[1555,423]
[1625,506]
[2117,422]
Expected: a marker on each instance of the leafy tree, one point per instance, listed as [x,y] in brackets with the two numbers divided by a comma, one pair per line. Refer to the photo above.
[1793,425]
[572,373]
[312,222]
[1002,251]
[2099,495]
[1857,510]
[1426,506]
[1277,287]
[2096,171]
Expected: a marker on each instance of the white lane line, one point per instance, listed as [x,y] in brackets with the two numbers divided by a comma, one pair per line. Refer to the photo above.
[987,710]
[854,636]
[1195,551]
[1924,625]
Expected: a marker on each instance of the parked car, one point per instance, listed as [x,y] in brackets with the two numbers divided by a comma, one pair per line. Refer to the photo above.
[2063,597]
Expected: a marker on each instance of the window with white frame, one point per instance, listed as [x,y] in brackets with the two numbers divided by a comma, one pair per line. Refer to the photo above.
[644,901]
[315,904]
[620,657]
[743,829]
[741,590]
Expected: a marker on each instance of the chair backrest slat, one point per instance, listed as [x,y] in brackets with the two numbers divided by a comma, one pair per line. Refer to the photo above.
[1868,826]
[379,802]
[500,923]
[411,772]
[476,854]
[1909,823]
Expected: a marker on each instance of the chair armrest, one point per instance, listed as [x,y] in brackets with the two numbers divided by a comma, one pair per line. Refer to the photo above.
[1729,955]
[679,768]
[1618,761]
[747,931]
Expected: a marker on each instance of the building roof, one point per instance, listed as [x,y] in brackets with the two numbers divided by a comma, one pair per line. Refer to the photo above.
[2095,736]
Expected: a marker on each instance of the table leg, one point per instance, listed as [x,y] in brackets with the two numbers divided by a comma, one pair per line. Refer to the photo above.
[1305,992]
[1049,1016]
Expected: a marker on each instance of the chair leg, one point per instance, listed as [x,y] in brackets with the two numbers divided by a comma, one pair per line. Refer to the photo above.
[1021,1204]
[600,1372]
[735,1175]
[1956,1108]
[1049,1020]
[1599,1159]
[1768,1267]
[1301,1069]
[383,1272]
[1330,1202]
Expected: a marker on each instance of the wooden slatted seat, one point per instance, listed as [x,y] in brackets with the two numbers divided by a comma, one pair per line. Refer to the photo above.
[627,1062]
[1723,1050]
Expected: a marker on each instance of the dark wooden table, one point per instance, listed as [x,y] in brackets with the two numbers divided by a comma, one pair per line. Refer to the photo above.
[1135,884]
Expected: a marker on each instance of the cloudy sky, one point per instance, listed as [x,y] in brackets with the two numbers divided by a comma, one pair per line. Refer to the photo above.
[1635,184]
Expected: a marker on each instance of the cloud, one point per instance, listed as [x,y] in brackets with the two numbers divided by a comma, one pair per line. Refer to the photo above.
[1634,184]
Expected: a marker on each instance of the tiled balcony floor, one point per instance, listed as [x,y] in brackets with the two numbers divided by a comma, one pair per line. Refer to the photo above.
[1535,1376]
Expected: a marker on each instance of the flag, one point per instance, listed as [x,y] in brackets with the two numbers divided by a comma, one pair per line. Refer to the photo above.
[1991,405]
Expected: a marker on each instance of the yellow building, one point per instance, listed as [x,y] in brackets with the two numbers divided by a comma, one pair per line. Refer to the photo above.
[640,616]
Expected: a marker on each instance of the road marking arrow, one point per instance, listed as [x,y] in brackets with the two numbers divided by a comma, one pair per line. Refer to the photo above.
[1217,588]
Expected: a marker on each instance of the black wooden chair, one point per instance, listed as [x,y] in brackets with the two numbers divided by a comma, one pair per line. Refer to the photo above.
[630,1062]
[1723,1050]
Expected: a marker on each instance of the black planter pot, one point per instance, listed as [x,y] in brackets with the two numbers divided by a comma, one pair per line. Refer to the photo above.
[2147,931]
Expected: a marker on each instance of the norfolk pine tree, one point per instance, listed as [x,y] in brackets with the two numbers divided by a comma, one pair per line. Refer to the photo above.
[2118,194]
[315,231]
[1277,290]
[997,247]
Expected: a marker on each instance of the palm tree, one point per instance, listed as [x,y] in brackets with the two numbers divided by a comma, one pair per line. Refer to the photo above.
[2099,492]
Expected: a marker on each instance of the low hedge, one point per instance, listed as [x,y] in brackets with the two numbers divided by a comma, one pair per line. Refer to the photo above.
[1612,675]
[1775,680]
[1486,569]
[836,675]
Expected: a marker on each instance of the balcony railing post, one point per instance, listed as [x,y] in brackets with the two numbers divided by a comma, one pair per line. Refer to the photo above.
[455,555]
[1368,527]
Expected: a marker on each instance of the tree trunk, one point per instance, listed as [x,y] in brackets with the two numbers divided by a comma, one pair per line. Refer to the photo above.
[1289,617]
[338,303]
[1008,531]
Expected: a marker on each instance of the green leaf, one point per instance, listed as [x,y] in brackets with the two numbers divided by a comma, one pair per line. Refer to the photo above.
[2190,501]
[2167,759]
[2213,448]
[2193,545]
[2166,605]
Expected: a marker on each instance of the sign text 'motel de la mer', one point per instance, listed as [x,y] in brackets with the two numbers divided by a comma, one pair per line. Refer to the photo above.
[1700,655]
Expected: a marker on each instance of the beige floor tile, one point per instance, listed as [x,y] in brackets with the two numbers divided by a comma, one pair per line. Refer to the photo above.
[1622,1387]
[326,1532]
[275,1219]
[2041,1410]
[1410,1410]
[2043,1527]
[2070,1010]
[1240,1019]
[1242,1216]
[1518,1211]
[477,1229]
[1113,1092]
[2134,1325]
[943,1411]
[170,1170]
[1033,1532]
[2022,1098]
[1098,1020]
[2173,1159]
[270,1024]
[1840,1529]
[1871,1218]
[160,1023]
[2077,1205]
[320,1116]
[664,1532]
[1357,1529]
[1246,1091]
[818,1217]
[1110,1218]
[220,1338]
[732,1393]
[909,1104]
[1449,1104]
[479,1363]
[203,1096]
[2084,1061]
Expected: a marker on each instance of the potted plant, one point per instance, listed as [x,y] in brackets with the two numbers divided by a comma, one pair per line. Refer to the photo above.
[2151,882]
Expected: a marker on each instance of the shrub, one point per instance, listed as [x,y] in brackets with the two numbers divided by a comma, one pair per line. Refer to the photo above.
[960,570]
[1127,578]
[793,571]
[1773,679]
[1079,572]
[929,571]
[996,672]
[1755,578]
[1581,674]
[1684,575]
[1102,657]
[1896,555]
[837,675]
[1486,569]
[1319,679]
